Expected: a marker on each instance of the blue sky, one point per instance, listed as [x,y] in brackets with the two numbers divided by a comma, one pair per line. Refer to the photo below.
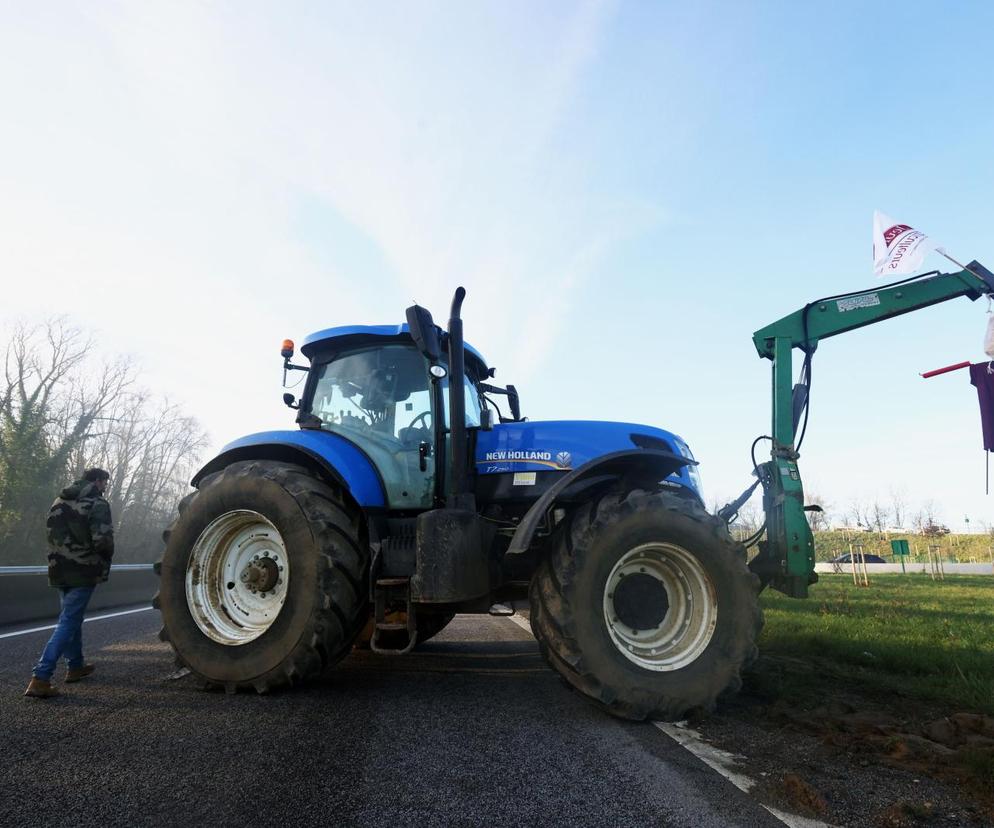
[627,191]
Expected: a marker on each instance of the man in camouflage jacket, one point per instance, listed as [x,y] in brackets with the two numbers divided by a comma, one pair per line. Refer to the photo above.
[80,548]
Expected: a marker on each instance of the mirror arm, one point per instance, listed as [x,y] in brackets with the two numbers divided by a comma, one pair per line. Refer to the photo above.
[288,366]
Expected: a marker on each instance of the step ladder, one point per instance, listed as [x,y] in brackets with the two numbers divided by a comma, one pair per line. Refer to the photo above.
[388,592]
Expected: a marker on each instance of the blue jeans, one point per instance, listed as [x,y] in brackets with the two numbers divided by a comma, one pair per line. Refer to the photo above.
[67,639]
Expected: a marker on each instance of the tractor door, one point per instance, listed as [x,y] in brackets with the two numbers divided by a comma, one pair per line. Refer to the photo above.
[379,398]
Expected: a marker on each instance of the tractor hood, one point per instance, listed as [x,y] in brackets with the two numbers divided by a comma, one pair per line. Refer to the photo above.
[561,445]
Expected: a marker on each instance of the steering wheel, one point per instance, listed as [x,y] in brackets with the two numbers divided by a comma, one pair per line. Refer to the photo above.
[421,416]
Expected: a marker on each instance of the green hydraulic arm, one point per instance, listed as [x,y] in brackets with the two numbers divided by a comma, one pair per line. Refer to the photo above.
[786,558]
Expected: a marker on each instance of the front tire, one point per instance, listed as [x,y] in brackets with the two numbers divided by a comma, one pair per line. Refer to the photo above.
[646,605]
[261,578]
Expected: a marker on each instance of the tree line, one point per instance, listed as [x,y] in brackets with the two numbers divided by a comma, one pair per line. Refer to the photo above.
[62,410]
[893,514]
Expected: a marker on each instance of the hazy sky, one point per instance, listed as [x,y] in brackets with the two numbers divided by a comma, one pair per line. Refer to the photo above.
[626,190]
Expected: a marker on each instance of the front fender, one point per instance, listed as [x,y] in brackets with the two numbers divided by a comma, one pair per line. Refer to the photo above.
[324,453]
[646,465]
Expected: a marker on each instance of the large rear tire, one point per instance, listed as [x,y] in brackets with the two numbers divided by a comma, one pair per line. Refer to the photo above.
[646,605]
[262,577]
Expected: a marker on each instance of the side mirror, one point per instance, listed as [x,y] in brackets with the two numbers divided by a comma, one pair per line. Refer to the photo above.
[514,403]
[424,332]
[290,401]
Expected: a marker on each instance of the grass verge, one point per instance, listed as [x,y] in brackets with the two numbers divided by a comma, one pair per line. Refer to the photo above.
[903,636]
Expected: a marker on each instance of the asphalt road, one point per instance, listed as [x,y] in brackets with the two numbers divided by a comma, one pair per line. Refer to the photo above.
[471,730]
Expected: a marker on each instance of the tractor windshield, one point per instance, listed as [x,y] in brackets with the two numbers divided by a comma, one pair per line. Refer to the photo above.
[380,399]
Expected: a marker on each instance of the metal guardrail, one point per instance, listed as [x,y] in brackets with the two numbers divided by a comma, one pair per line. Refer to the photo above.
[910,567]
[26,596]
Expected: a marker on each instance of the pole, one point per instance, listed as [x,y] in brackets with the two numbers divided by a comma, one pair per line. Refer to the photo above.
[942,252]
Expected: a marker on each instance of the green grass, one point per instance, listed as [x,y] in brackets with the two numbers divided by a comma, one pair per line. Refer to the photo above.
[903,635]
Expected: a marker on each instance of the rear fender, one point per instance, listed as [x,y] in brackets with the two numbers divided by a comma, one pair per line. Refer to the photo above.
[328,456]
[643,468]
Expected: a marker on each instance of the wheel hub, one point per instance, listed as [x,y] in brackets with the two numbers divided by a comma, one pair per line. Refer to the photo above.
[261,574]
[237,577]
[660,606]
[640,601]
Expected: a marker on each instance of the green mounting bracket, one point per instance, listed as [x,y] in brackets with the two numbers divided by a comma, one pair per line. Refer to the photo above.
[786,559]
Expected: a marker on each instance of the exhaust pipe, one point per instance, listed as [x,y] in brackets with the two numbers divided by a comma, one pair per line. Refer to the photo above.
[459,495]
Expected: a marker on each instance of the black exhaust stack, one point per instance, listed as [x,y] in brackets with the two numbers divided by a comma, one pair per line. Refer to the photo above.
[459,495]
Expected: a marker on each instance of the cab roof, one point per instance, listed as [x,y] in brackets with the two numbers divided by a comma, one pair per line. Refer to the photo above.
[320,338]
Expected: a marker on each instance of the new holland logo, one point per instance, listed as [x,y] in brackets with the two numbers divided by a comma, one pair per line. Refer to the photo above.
[520,456]
[562,459]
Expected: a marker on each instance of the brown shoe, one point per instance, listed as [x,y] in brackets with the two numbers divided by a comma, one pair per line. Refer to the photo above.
[39,689]
[81,673]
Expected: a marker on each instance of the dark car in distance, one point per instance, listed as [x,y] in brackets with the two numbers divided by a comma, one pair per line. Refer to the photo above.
[847,558]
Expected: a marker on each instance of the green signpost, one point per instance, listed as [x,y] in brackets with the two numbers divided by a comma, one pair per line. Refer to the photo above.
[899,548]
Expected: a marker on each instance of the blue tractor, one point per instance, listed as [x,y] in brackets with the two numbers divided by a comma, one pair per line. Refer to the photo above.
[397,503]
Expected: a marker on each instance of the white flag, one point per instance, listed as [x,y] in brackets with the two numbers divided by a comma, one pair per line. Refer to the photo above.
[897,248]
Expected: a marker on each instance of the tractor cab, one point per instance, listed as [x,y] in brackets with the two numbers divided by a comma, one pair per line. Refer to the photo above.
[372,386]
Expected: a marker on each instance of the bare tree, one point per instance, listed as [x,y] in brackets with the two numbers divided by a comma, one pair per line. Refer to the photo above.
[925,516]
[877,516]
[819,521]
[858,514]
[45,412]
[750,518]
[59,414]
[898,508]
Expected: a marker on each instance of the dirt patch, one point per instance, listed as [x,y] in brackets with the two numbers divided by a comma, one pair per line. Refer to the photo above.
[854,759]
[906,815]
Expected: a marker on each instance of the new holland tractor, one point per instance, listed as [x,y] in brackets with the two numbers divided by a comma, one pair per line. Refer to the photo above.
[405,496]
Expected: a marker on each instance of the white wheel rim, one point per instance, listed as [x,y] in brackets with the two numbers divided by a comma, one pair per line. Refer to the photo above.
[686,616]
[237,577]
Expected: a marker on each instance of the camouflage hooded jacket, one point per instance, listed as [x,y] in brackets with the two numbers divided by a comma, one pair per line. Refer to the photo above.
[80,537]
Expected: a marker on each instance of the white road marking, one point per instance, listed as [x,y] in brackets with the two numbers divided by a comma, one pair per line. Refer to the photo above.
[85,620]
[521,622]
[726,764]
